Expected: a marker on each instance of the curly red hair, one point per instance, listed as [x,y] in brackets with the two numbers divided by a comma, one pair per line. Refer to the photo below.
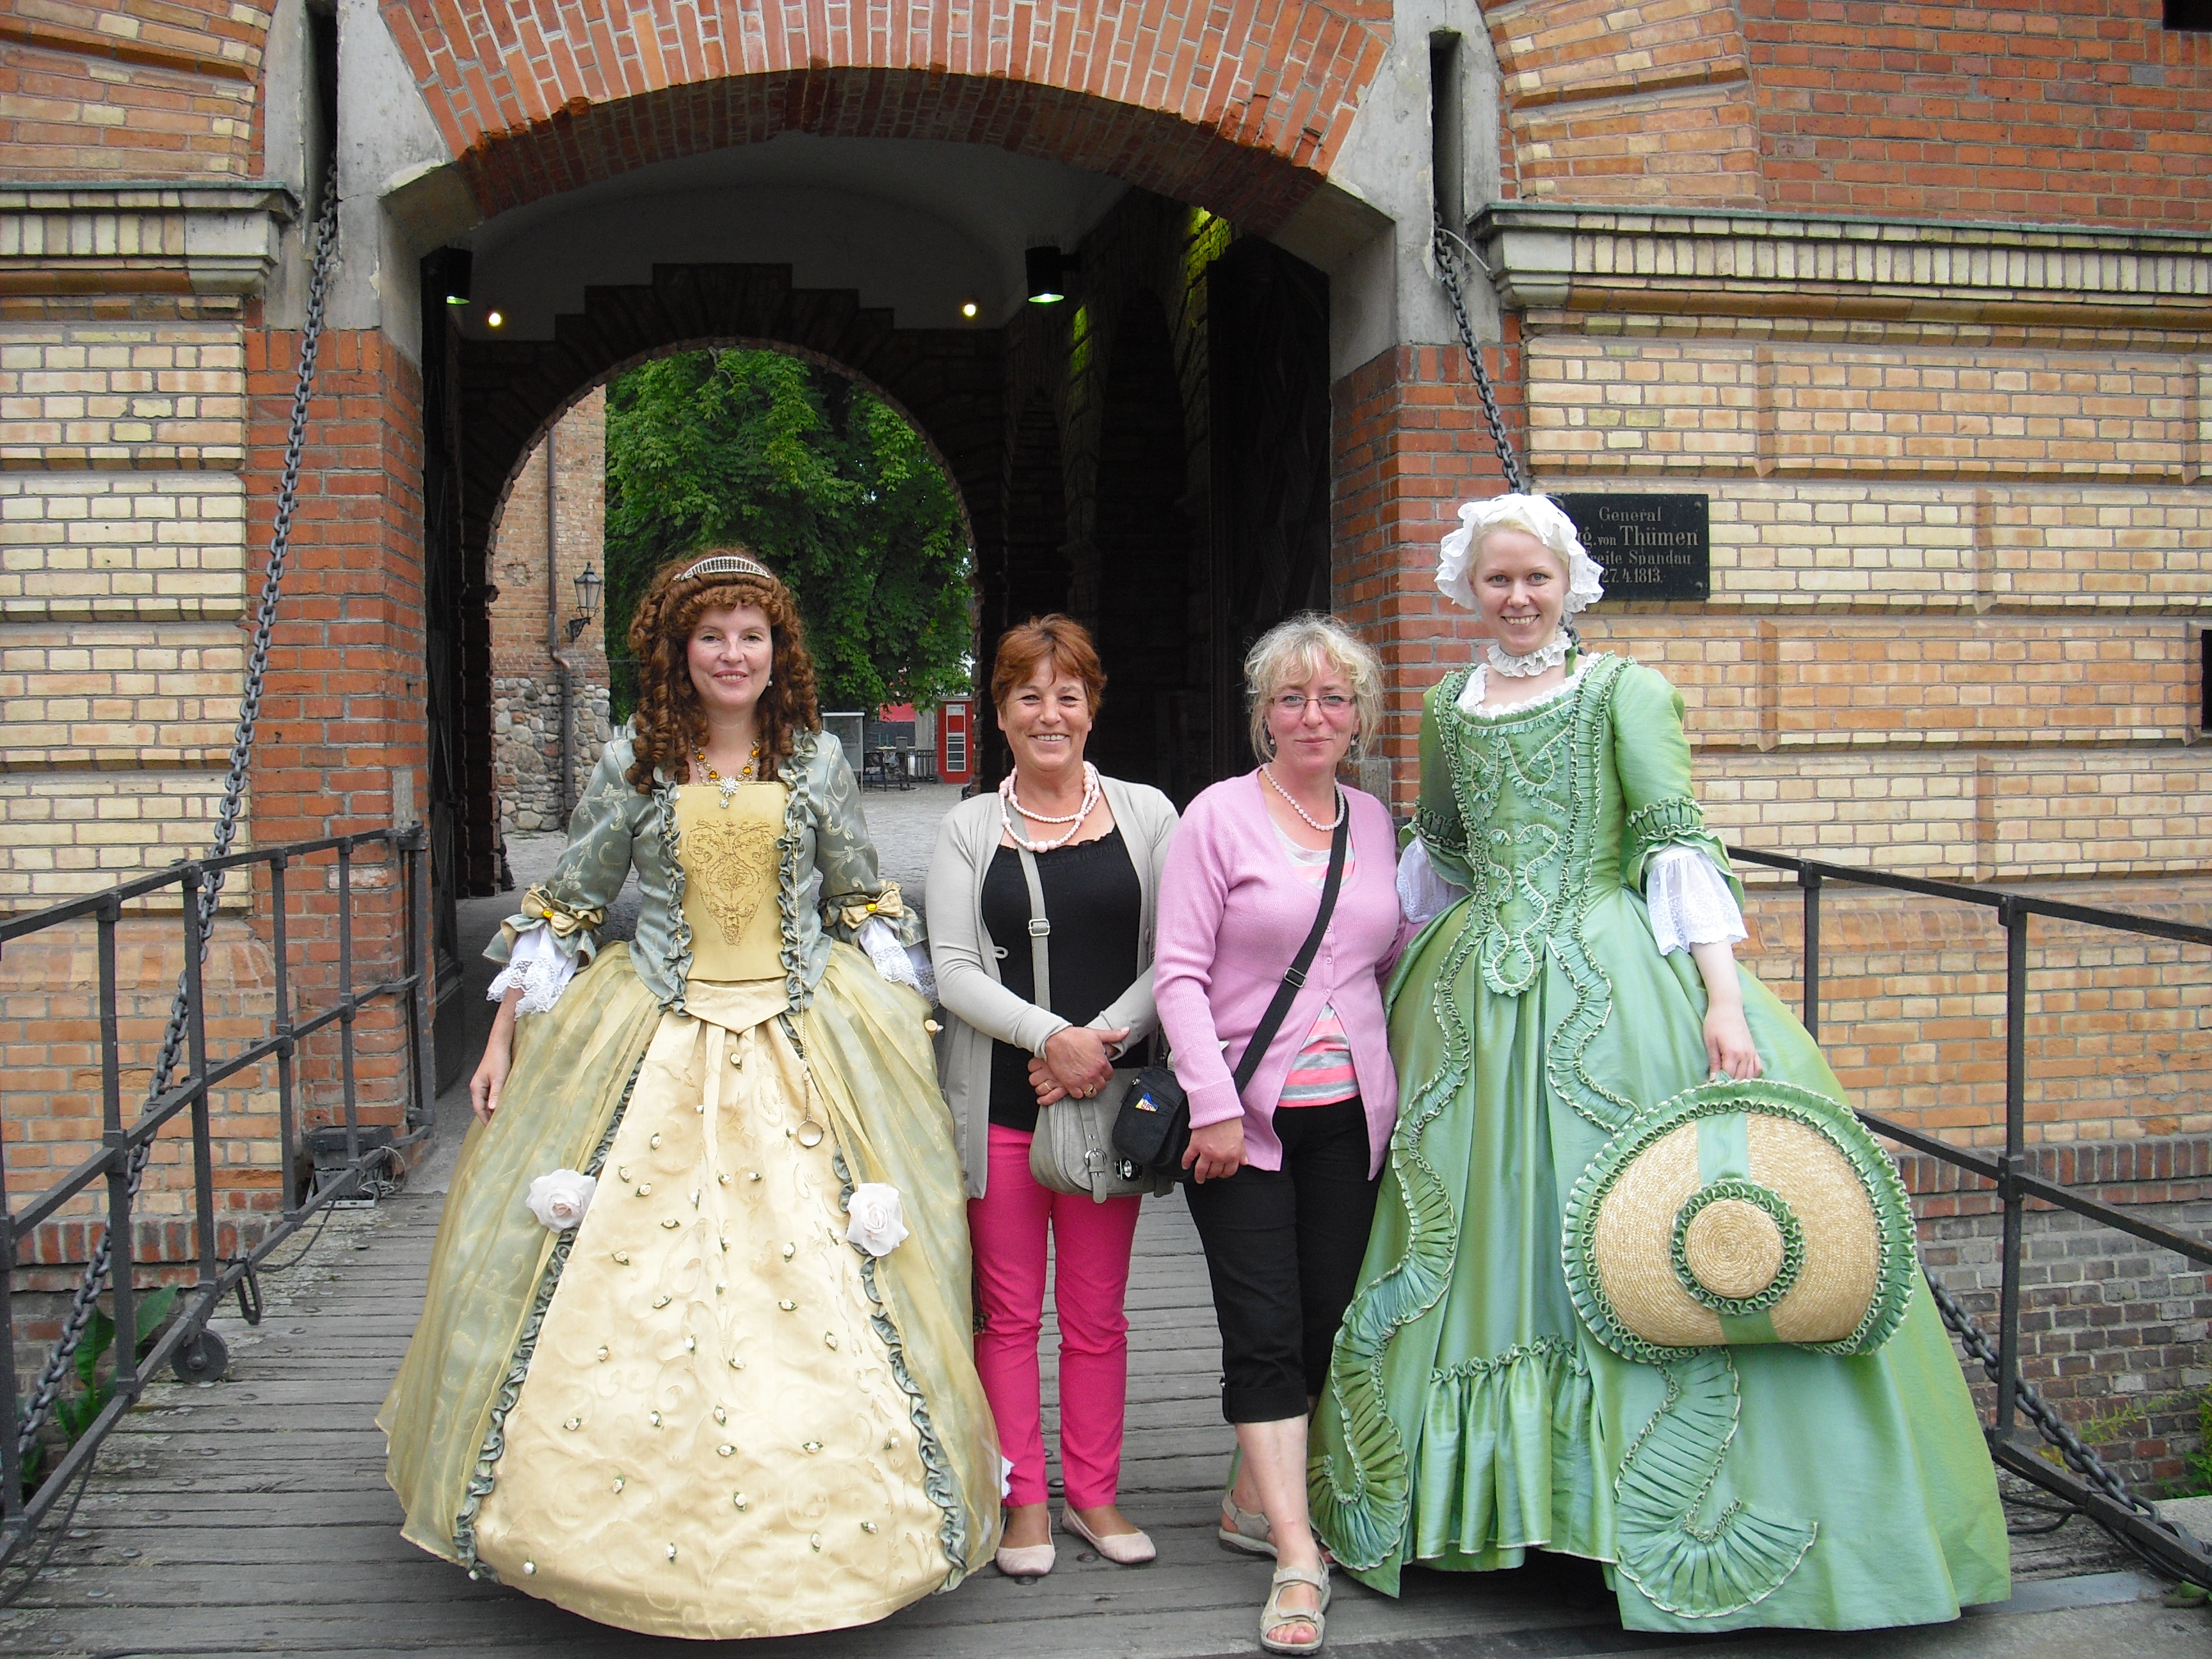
[669,723]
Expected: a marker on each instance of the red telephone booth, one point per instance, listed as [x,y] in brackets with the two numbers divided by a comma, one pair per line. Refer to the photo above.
[956,748]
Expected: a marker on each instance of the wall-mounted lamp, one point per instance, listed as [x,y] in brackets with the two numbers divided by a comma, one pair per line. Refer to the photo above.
[446,272]
[968,309]
[588,586]
[1047,269]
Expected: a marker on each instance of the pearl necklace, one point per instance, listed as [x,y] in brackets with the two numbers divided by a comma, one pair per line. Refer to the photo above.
[729,786]
[1011,809]
[1550,654]
[1329,828]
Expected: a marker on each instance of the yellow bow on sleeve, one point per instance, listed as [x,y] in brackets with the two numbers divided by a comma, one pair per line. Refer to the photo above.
[887,905]
[564,920]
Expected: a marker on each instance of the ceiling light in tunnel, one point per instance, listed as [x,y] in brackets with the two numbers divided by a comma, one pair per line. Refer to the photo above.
[1047,273]
[968,308]
[493,319]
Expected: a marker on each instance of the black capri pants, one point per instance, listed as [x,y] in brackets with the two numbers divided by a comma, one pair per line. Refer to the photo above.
[1283,1248]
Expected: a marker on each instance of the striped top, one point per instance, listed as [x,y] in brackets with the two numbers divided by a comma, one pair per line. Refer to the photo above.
[1322,1075]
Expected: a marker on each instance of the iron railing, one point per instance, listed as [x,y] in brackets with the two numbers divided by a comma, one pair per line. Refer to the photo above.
[185,1343]
[2084,1482]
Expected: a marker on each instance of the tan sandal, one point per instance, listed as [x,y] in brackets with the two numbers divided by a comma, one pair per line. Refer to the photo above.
[1275,1614]
[1241,1529]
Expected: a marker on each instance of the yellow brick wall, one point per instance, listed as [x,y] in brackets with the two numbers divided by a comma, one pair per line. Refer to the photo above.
[123,569]
[99,395]
[144,545]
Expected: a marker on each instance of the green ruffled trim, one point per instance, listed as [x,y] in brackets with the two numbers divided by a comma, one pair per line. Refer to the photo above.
[1689,1570]
[1468,1406]
[1362,1512]
[1569,1040]
[1898,1269]
[1662,824]
[798,800]
[1785,1221]
[679,961]
[510,1390]
[938,1480]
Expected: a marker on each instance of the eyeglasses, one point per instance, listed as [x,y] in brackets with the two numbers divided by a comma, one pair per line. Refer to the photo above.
[1293,703]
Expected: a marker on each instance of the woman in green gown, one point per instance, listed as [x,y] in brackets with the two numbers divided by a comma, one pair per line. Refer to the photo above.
[1579,976]
[694,1357]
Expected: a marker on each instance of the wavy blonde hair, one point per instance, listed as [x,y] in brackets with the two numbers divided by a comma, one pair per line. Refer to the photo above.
[1296,649]
[670,722]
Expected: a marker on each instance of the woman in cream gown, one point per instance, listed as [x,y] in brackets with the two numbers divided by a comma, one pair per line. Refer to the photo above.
[739,1399]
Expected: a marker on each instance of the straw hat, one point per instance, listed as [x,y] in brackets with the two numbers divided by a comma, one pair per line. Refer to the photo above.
[1740,1212]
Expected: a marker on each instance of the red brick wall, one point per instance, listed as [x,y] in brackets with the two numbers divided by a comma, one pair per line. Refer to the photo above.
[140,89]
[1166,94]
[2084,110]
[1411,446]
[342,708]
[2069,110]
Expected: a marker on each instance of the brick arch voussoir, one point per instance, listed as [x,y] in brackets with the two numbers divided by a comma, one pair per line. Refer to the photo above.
[946,382]
[1231,165]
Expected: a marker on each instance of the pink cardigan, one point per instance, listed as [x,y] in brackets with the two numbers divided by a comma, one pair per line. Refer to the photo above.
[1232,913]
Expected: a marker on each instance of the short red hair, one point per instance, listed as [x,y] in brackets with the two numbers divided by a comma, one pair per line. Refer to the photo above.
[1061,641]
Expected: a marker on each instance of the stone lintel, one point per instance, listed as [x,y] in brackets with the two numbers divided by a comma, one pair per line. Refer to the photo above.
[153,238]
[1716,261]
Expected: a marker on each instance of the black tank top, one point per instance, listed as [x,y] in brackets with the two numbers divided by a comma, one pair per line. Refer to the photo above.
[1095,904]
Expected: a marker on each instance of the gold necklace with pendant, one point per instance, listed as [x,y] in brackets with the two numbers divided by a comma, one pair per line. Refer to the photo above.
[729,786]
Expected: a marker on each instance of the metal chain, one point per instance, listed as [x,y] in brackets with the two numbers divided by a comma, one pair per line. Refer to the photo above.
[323,249]
[2037,1410]
[1453,255]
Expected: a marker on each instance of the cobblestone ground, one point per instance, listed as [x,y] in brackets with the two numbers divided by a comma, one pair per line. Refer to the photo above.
[903,823]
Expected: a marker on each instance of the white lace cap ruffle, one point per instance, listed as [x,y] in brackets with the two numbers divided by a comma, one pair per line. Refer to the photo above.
[1542,518]
[896,962]
[538,965]
[1423,894]
[1690,901]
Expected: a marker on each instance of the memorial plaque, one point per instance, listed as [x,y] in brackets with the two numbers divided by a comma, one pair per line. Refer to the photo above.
[1652,547]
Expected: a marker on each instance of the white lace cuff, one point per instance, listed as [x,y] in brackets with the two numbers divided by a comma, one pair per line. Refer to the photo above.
[1424,894]
[897,962]
[1690,900]
[538,966]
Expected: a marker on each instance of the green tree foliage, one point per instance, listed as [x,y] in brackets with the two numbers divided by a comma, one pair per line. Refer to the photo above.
[826,483]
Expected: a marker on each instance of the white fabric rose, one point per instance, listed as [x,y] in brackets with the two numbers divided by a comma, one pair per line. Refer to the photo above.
[878,1218]
[560,1199]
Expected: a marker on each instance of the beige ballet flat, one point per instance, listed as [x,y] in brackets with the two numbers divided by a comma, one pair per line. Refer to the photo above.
[1028,1560]
[1123,1549]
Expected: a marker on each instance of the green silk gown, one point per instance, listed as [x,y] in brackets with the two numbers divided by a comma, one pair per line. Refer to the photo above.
[1469,1416]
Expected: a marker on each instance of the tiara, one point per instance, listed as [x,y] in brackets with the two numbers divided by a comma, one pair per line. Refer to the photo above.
[727,564]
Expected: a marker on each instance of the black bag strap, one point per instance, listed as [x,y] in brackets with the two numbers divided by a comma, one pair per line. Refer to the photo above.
[1293,981]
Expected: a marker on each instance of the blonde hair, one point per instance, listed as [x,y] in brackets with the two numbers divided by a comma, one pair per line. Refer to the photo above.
[1295,650]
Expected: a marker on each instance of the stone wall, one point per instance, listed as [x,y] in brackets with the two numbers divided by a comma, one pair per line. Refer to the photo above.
[526,693]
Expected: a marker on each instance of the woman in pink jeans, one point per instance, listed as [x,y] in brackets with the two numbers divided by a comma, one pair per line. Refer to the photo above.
[1098,845]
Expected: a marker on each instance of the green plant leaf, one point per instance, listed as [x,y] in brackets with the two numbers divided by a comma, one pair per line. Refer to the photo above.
[147,1315]
[99,1337]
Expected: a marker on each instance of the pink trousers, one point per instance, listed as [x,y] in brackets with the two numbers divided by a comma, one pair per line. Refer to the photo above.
[1090,1249]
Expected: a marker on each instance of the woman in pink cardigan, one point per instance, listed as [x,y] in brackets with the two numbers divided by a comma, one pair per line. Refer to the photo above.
[1285,1175]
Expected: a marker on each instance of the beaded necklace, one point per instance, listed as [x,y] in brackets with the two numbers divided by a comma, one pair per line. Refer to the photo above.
[1011,809]
[1327,829]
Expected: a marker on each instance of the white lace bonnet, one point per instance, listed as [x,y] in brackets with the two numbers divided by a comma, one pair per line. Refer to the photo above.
[1540,517]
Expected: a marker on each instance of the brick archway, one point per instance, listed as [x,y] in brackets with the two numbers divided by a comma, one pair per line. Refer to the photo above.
[1240,113]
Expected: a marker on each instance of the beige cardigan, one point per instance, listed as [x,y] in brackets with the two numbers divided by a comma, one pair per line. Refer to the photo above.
[979,1009]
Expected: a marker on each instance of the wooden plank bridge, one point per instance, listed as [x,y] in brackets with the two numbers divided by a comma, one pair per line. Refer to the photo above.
[250,1516]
